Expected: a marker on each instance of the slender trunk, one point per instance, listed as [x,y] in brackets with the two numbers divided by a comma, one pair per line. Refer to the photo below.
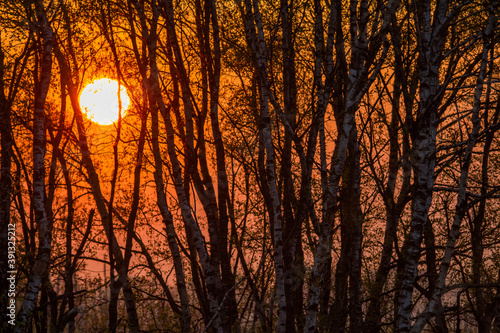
[133,320]
[68,298]
[42,260]
[114,283]
[292,225]
[484,315]
[255,38]
[216,211]
[354,224]
[169,225]
[348,295]
[432,275]
[338,312]
[114,292]
[212,274]
[222,178]
[423,157]
[461,205]
[323,66]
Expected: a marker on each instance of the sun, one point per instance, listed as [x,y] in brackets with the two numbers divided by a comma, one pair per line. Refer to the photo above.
[99,101]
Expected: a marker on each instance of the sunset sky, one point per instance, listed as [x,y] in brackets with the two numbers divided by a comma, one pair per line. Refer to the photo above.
[249,166]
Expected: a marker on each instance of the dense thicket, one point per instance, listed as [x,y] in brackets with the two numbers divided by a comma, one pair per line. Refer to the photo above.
[285,166]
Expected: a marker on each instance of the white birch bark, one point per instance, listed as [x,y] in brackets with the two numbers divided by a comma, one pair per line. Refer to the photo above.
[212,276]
[42,259]
[255,37]
[169,227]
[168,220]
[434,303]
[359,78]
[431,34]
[153,91]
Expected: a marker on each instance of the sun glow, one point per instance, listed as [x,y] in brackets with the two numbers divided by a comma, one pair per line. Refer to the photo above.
[99,101]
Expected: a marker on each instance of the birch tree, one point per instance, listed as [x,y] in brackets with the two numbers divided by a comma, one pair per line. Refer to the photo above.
[432,25]
[286,166]
[434,303]
[219,308]
[36,12]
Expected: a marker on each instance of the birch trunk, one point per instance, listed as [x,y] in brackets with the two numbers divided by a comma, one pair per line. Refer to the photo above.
[431,37]
[351,209]
[434,303]
[255,38]
[68,297]
[292,221]
[168,221]
[211,275]
[484,315]
[215,203]
[351,86]
[42,259]
[324,65]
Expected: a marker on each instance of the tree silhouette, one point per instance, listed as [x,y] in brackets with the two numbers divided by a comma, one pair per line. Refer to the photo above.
[290,166]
